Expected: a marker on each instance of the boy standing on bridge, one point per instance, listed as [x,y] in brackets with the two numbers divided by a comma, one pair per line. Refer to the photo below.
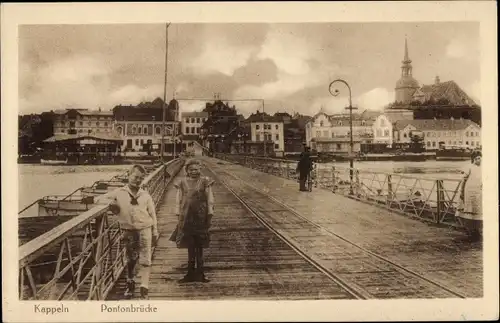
[194,209]
[137,217]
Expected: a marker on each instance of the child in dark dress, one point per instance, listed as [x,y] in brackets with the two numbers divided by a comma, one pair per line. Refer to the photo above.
[194,209]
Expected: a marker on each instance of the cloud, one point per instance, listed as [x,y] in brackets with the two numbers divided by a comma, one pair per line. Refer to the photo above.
[297,68]
[79,82]
[132,94]
[462,49]
[375,99]
[219,56]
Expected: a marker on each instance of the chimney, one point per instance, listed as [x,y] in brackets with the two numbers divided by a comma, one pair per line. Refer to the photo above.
[436,80]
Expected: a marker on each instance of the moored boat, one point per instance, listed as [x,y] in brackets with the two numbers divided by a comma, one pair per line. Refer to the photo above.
[453,153]
[53,162]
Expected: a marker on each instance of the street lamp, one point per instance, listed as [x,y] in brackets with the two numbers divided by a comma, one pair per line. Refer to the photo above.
[335,93]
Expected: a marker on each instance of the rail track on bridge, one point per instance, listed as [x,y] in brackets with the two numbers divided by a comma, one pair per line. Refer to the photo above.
[362,273]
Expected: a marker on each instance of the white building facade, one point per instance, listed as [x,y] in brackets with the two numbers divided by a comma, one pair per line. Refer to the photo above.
[271,130]
[331,133]
[191,122]
[82,122]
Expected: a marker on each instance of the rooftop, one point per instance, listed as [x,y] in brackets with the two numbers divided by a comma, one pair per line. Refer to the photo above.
[435,124]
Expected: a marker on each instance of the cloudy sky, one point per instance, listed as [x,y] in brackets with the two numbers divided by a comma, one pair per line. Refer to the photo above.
[287,65]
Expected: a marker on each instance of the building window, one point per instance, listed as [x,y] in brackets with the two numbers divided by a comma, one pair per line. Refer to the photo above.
[187,129]
[276,146]
[187,120]
[257,127]
[467,143]
[386,133]
[119,130]
[318,134]
[382,122]
[139,130]
[97,123]
[460,142]
[257,138]
[145,131]
[325,133]
[340,123]
[197,120]
[277,127]
[467,134]
[477,134]
[363,122]
[433,144]
[472,143]
[277,137]
[379,133]
[428,144]
[321,123]
[158,130]
[405,135]
[133,130]
[142,141]
[137,142]
[339,146]
[105,124]
[197,130]
[81,123]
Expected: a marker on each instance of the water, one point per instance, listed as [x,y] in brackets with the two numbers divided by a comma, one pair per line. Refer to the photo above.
[431,169]
[36,181]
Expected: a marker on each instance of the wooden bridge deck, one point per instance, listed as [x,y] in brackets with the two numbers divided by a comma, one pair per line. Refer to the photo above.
[284,244]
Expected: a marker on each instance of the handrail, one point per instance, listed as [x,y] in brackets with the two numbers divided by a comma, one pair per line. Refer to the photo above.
[430,199]
[83,257]
[33,248]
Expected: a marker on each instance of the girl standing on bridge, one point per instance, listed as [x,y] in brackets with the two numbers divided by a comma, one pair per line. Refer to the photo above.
[194,209]
[471,212]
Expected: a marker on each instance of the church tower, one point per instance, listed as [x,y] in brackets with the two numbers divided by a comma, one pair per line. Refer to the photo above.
[406,85]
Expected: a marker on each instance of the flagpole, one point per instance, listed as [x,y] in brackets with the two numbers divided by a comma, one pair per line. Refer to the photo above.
[164,94]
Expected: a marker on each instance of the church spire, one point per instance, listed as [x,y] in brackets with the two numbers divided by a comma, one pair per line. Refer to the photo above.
[406,68]
[406,59]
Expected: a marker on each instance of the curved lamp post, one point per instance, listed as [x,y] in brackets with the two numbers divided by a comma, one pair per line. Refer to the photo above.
[335,92]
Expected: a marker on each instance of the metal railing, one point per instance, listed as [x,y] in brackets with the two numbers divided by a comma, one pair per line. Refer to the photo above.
[82,258]
[431,200]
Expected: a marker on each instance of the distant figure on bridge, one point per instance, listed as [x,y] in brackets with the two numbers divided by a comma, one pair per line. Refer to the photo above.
[471,213]
[194,209]
[137,218]
[304,167]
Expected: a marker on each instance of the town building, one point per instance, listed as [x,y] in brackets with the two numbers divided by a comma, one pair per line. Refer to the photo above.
[82,121]
[269,131]
[383,126]
[141,126]
[220,122]
[439,132]
[191,123]
[331,133]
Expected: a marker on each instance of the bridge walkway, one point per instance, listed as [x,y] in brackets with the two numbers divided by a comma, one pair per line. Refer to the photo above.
[270,241]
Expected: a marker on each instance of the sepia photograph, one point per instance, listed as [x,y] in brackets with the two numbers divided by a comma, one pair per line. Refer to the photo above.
[250,161]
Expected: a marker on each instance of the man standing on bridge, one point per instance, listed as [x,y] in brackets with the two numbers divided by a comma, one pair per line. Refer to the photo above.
[304,167]
[137,217]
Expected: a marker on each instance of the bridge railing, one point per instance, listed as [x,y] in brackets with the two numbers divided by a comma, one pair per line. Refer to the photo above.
[430,199]
[82,258]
